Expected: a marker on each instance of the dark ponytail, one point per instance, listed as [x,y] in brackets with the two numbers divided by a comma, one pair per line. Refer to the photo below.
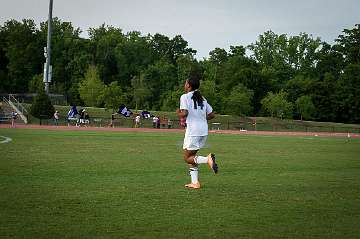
[194,83]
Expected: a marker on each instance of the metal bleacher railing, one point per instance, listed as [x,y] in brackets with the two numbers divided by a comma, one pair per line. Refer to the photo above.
[16,106]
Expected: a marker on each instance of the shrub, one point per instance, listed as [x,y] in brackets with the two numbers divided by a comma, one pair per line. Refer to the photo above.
[41,106]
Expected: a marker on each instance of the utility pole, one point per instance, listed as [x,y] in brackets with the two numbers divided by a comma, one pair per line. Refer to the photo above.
[47,52]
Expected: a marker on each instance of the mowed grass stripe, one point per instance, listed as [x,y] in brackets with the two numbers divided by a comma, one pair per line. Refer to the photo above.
[72,184]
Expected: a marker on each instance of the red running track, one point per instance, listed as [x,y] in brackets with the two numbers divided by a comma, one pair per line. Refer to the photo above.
[239,132]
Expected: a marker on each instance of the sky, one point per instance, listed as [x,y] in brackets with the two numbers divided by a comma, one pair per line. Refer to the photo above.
[204,24]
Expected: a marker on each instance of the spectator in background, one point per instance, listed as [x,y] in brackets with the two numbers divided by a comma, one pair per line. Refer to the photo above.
[169,123]
[13,119]
[56,117]
[164,121]
[137,121]
[158,122]
[112,120]
[78,120]
[154,121]
[82,117]
[86,119]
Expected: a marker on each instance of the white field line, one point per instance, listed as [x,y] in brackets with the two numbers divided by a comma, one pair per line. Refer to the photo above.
[6,139]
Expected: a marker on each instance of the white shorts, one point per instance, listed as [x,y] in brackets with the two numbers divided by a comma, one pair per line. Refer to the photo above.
[194,142]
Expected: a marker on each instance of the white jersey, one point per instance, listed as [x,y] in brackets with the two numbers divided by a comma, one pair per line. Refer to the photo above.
[196,120]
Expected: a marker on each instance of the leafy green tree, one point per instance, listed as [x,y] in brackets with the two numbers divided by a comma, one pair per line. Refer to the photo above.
[185,64]
[42,106]
[269,49]
[349,44]
[323,93]
[298,86]
[91,87]
[79,62]
[301,52]
[141,92]
[305,107]
[347,97]
[329,60]
[208,90]
[113,96]
[277,105]
[104,41]
[286,55]
[132,56]
[179,47]
[237,69]
[171,99]
[240,69]
[210,70]
[159,78]
[5,81]
[170,49]
[237,51]
[239,101]
[161,45]
[218,56]
[36,83]
[23,53]
[74,95]
[210,86]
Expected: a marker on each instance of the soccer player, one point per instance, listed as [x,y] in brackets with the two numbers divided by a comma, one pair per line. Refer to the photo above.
[197,111]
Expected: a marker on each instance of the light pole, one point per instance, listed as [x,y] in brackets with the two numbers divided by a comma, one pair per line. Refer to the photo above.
[47,52]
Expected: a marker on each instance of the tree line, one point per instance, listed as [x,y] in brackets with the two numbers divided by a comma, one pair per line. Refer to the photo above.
[299,77]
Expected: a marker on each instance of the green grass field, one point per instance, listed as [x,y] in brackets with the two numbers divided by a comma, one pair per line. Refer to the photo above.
[87,184]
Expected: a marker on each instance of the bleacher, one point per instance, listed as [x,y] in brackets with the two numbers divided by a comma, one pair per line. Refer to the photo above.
[5,115]
[7,106]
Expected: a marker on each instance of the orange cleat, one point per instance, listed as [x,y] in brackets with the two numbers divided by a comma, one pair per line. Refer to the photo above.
[212,163]
[193,185]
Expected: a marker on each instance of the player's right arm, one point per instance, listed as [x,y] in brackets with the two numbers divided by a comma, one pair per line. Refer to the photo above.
[183,112]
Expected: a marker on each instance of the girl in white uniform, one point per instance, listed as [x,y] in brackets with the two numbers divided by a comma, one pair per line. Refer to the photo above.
[197,111]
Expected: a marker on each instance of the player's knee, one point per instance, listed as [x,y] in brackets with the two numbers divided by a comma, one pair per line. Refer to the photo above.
[189,160]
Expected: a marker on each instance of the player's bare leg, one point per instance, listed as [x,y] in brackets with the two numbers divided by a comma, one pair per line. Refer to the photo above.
[209,160]
[189,156]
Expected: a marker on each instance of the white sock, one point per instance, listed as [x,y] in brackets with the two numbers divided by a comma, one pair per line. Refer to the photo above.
[194,173]
[200,159]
